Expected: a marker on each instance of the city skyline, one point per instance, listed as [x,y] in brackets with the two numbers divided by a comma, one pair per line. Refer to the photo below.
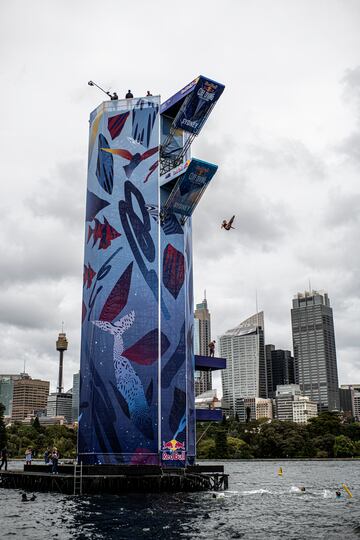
[286,137]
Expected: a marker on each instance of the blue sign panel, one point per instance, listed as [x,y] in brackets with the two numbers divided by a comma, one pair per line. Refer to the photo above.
[178,97]
[191,106]
[190,187]
[197,105]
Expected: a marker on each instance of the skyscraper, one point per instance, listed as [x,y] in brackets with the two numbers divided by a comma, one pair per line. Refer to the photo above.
[314,348]
[7,390]
[29,395]
[245,374]
[202,338]
[60,405]
[280,368]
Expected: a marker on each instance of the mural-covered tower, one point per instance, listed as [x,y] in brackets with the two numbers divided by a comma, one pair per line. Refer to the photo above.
[137,360]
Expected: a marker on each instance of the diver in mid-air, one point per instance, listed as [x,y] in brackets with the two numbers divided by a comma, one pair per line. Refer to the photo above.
[227,225]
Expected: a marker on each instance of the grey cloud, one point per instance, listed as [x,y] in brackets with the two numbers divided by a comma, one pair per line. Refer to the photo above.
[289,154]
[351,82]
[342,208]
[62,196]
[350,146]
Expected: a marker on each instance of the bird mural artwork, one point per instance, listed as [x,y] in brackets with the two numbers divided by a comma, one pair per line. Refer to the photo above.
[134,159]
[227,225]
[127,381]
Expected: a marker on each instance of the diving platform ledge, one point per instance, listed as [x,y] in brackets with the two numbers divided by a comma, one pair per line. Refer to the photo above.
[209,363]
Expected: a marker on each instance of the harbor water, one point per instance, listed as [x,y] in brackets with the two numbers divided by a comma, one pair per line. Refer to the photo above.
[258,505]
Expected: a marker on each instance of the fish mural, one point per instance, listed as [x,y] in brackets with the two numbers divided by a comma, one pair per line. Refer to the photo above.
[88,275]
[127,381]
[103,232]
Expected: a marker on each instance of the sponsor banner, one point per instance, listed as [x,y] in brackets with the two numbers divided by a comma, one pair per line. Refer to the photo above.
[178,96]
[190,187]
[197,106]
[174,173]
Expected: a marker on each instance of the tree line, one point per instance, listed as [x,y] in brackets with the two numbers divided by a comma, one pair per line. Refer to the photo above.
[18,437]
[325,436]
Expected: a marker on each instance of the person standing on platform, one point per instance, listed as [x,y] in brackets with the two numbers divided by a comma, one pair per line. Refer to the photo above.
[47,456]
[212,348]
[55,460]
[4,454]
[129,95]
[148,93]
[28,456]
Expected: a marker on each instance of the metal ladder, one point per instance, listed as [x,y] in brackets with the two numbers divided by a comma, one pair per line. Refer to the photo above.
[78,477]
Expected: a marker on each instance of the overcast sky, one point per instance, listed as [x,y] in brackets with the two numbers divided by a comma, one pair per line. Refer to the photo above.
[285,134]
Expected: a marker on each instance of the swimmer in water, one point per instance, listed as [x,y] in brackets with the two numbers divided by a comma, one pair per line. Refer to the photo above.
[338,494]
[302,488]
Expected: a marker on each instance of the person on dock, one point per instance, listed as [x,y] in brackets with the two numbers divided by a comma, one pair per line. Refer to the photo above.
[55,460]
[47,455]
[212,348]
[4,455]
[28,455]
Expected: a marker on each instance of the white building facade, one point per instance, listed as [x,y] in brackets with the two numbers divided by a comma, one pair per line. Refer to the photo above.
[245,373]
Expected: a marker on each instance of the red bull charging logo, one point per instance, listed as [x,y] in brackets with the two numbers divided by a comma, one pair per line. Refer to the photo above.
[173,451]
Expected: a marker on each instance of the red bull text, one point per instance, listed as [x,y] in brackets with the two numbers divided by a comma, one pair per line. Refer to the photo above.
[173,451]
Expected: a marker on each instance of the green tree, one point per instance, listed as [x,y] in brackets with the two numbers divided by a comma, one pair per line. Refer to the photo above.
[352,431]
[325,423]
[221,447]
[343,446]
[36,424]
[206,449]
[238,449]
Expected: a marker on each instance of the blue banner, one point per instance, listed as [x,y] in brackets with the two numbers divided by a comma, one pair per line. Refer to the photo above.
[190,187]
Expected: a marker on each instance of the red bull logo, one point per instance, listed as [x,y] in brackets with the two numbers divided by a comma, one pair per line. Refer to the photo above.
[210,87]
[173,450]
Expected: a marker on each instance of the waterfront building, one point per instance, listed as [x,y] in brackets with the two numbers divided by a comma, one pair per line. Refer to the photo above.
[46,420]
[346,395]
[357,405]
[202,338]
[284,399]
[60,404]
[314,349]
[304,409]
[7,390]
[254,408]
[280,368]
[75,397]
[28,395]
[245,374]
